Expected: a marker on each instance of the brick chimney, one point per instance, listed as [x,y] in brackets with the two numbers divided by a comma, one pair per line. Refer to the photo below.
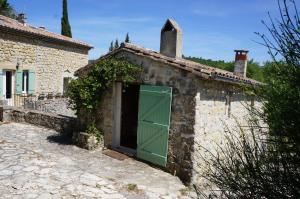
[240,65]
[171,39]
[22,18]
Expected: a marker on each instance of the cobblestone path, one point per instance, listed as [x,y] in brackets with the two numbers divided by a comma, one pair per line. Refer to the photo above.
[35,164]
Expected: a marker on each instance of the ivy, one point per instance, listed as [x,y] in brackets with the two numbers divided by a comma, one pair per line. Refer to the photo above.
[93,130]
[86,92]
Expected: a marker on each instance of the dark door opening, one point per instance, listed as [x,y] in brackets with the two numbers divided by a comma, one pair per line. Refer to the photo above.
[129,116]
[8,84]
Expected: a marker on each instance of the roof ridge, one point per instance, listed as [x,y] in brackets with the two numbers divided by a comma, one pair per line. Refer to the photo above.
[130,45]
[15,25]
[207,72]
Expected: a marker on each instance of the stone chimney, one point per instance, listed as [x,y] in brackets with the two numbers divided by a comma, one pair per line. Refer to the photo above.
[240,65]
[22,18]
[171,39]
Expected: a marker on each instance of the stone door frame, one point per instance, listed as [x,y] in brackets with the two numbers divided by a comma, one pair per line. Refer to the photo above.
[116,131]
[117,102]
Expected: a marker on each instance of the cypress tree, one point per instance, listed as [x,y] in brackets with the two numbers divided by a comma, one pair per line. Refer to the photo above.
[116,44]
[127,40]
[7,10]
[65,25]
[111,48]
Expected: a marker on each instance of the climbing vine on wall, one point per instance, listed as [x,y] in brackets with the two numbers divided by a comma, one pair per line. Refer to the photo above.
[86,91]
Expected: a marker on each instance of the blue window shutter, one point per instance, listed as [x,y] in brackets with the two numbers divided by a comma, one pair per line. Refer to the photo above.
[31,86]
[1,83]
[19,81]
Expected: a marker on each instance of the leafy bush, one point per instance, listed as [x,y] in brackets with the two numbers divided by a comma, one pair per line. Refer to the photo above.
[93,130]
[254,70]
[249,166]
[86,92]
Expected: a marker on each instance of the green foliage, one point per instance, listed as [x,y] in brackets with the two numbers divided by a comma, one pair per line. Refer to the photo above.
[282,91]
[282,96]
[266,164]
[127,40]
[93,130]
[132,187]
[116,44]
[221,64]
[111,47]
[86,92]
[65,25]
[254,71]
[248,166]
[7,10]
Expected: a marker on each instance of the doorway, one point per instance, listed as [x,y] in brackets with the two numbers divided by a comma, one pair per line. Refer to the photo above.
[8,85]
[129,116]
[8,79]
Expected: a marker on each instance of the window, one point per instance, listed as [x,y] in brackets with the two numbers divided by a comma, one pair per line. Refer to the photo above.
[66,82]
[25,82]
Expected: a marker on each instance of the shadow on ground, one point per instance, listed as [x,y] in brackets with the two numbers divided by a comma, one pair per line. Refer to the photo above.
[60,139]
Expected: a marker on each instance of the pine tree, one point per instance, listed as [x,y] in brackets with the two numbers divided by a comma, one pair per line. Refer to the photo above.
[111,48]
[7,10]
[116,44]
[65,25]
[127,40]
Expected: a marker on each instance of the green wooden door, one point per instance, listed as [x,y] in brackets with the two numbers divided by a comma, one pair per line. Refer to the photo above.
[153,123]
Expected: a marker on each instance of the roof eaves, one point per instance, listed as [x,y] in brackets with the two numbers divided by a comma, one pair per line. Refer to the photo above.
[203,71]
[12,26]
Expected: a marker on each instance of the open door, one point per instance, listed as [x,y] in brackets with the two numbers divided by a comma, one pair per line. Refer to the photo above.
[7,87]
[153,123]
[129,116]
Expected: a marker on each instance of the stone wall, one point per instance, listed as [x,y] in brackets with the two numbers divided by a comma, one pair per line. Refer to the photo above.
[62,124]
[51,62]
[219,108]
[57,105]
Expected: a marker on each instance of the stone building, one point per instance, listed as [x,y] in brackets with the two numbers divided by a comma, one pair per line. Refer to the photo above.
[176,105]
[34,60]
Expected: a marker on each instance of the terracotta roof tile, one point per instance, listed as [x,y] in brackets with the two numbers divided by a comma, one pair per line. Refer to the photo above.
[201,70]
[9,24]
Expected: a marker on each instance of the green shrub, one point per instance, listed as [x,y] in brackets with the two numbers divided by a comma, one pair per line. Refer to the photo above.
[93,130]
[86,92]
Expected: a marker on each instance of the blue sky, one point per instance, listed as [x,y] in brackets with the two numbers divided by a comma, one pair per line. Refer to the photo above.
[211,28]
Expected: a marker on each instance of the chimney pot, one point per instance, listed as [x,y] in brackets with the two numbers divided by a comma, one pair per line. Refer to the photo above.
[240,65]
[22,18]
[171,39]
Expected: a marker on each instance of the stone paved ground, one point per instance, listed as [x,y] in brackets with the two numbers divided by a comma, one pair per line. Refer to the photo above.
[34,164]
